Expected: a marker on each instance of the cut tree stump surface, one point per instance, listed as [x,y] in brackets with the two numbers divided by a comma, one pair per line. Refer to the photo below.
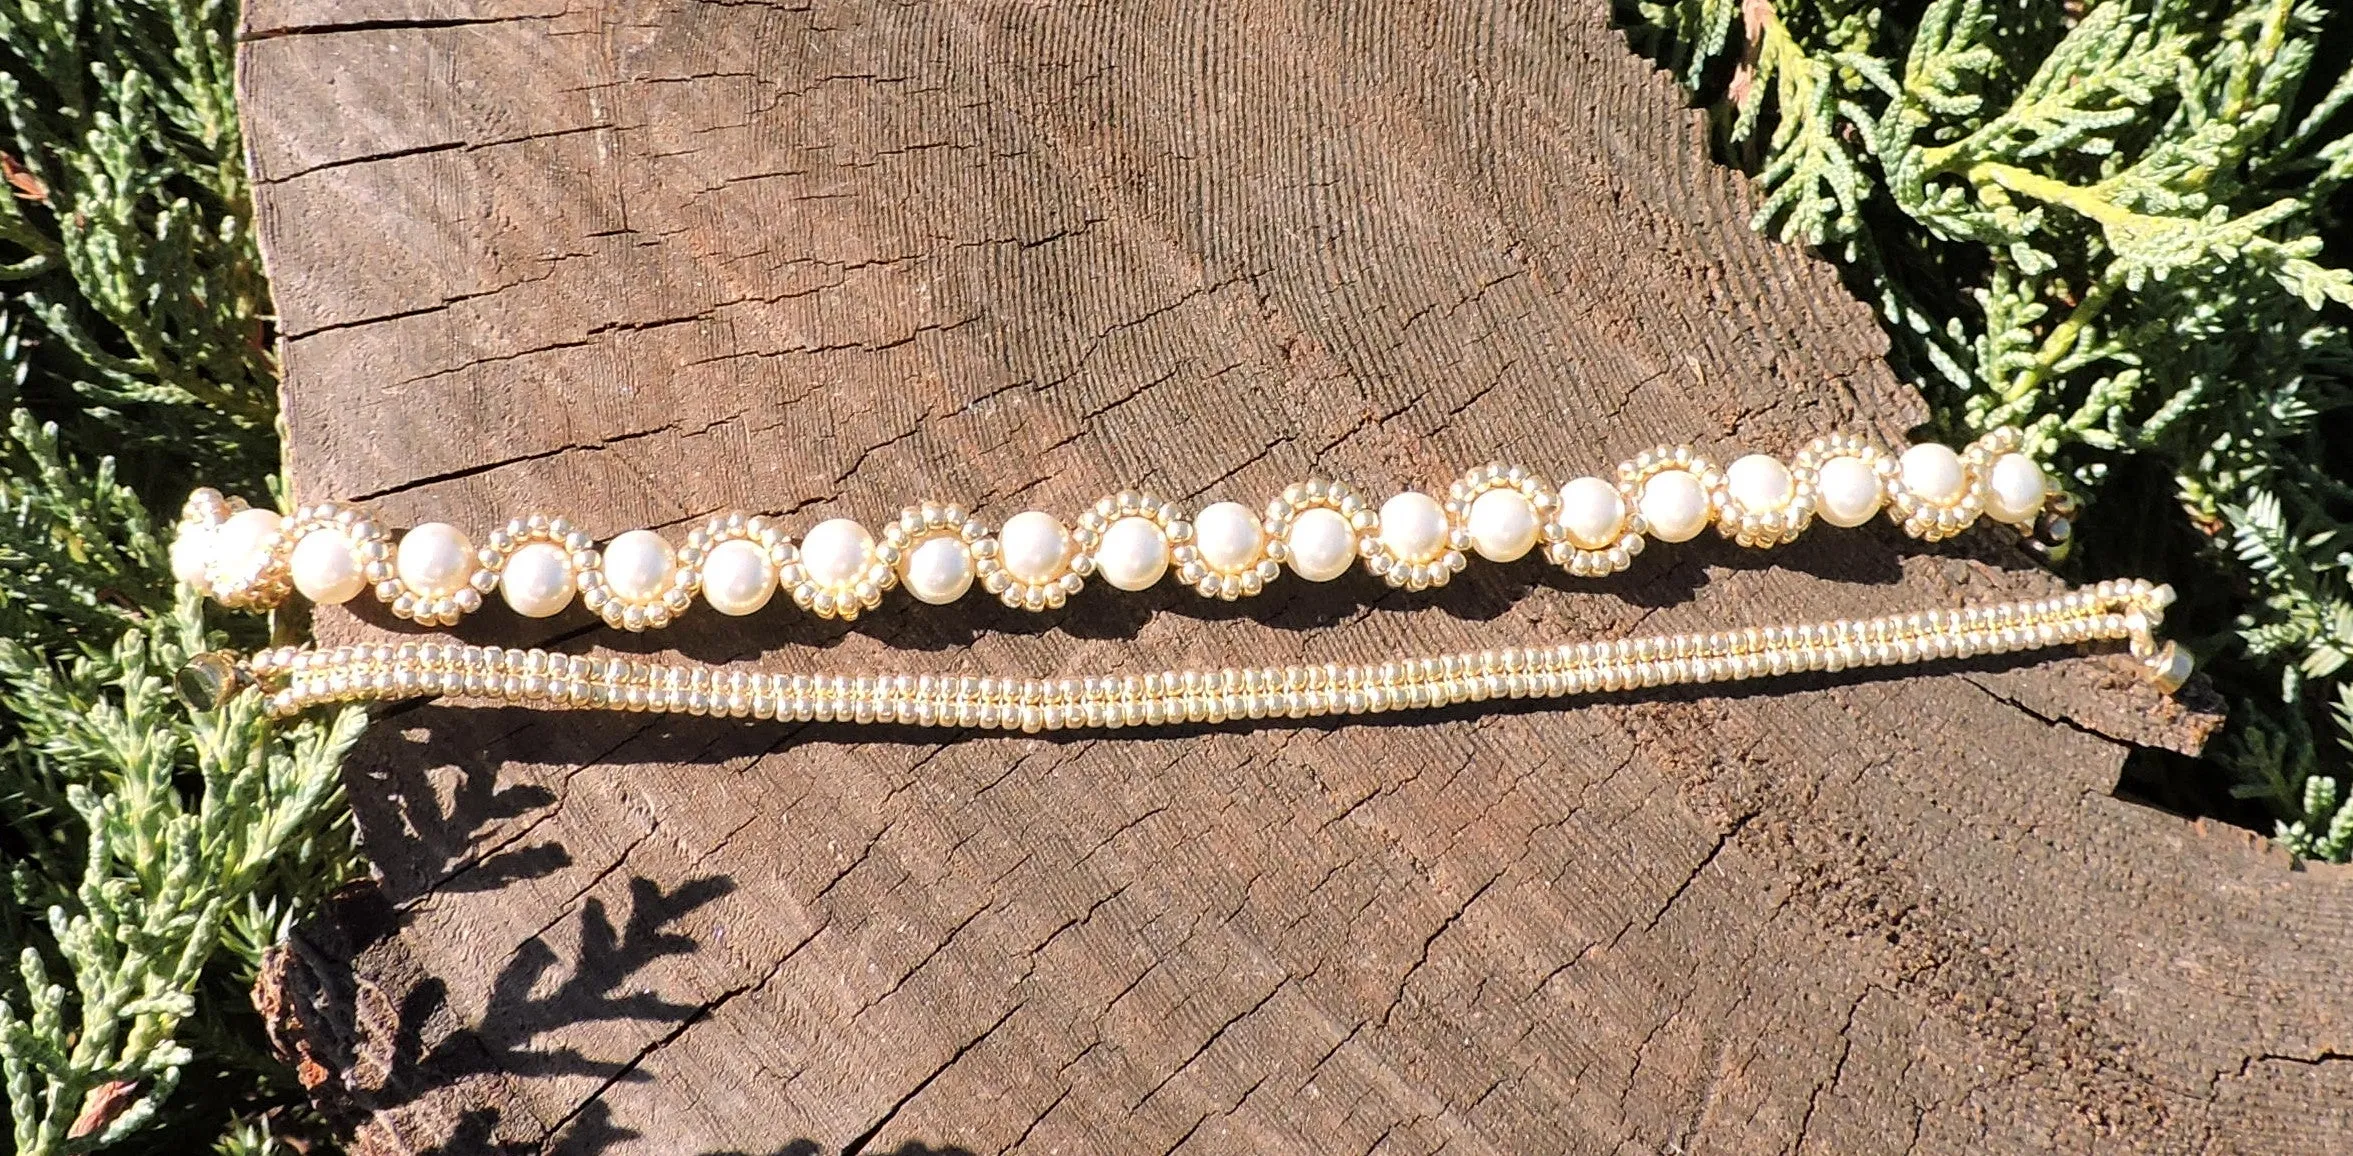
[638,263]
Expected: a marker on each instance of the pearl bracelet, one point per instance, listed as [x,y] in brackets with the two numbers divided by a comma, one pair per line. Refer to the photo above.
[295,679]
[434,574]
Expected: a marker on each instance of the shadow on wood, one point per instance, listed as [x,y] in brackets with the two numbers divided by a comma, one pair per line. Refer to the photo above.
[317,1018]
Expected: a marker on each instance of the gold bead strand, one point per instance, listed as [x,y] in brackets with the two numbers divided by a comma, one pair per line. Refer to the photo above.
[2121,611]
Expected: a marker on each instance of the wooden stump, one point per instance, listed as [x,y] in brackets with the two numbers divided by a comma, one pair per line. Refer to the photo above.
[642,262]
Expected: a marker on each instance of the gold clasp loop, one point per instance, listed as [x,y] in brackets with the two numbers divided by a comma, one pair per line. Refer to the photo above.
[211,679]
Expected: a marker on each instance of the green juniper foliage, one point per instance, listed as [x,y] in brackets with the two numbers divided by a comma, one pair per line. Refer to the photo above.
[2102,223]
[128,234]
[152,851]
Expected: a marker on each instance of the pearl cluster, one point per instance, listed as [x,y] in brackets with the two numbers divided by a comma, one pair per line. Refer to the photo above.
[228,551]
[1317,530]
[2124,610]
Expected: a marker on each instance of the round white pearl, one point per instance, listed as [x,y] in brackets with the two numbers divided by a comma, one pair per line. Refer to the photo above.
[1034,546]
[638,565]
[434,559]
[1933,474]
[1760,483]
[1413,526]
[240,541]
[536,581]
[1675,505]
[1849,491]
[326,570]
[1133,553]
[1593,512]
[1503,525]
[738,578]
[191,551]
[938,570]
[836,551]
[1321,544]
[1229,537]
[2016,489]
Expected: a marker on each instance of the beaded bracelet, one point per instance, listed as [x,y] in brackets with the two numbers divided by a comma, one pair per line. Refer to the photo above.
[296,679]
[252,559]
[1318,529]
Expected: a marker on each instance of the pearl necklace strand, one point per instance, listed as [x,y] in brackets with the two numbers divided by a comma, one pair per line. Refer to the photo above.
[1317,530]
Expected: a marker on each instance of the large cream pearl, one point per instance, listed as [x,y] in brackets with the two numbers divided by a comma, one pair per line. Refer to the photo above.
[1132,554]
[1034,545]
[1593,512]
[434,559]
[1759,483]
[1933,474]
[241,541]
[1321,544]
[191,553]
[1675,505]
[938,570]
[738,578]
[836,552]
[536,581]
[1229,537]
[638,565]
[2015,489]
[326,569]
[1503,525]
[1413,527]
[1848,491]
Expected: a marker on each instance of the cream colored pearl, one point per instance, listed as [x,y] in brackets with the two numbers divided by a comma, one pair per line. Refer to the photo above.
[1321,544]
[1413,527]
[536,581]
[1229,537]
[938,570]
[191,552]
[1849,491]
[1675,505]
[241,541]
[836,552]
[2015,489]
[1593,512]
[1035,546]
[1503,525]
[326,569]
[1933,474]
[1132,554]
[434,559]
[1760,483]
[738,578]
[638,565]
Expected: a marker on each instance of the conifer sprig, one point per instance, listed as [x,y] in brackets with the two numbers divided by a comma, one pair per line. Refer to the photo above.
[152,850]
[2104,226]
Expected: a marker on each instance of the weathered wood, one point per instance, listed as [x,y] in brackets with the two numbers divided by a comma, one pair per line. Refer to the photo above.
[641,262]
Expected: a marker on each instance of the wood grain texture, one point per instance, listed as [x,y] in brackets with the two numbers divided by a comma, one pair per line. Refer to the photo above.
[640,262]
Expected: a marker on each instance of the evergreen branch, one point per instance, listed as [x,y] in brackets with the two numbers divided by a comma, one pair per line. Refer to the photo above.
[2107,229]
[152,851]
